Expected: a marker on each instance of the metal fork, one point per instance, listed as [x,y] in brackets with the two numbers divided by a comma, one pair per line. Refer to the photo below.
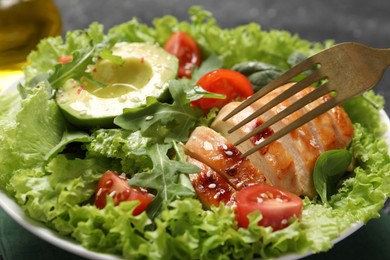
[343,71]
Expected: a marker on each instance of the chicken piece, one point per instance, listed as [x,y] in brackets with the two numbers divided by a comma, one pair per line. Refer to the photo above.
[300,141]
[214,150]
[210,188]
[342,124]
[322,126]
[301,147]
[273,160]
[334,129]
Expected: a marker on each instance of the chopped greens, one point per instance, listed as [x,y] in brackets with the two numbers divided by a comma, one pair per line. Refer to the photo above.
[52,169]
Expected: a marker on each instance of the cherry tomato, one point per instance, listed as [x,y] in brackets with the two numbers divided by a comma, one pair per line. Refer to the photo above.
[185,48]
[223,81]
[117,186]
[65,59]
[276,206]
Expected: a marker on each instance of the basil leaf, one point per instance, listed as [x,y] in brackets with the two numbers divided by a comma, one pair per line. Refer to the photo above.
[328,170]
[258,73]
[295,58]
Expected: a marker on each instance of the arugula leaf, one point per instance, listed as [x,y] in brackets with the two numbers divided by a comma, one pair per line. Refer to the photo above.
[68,137]
[162,121]
[48,51]
[164,178]
[328,170]
[106,54]
[74,69]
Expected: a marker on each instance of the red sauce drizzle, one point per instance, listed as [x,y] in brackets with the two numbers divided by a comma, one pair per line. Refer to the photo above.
[220,192]
[256,139]
[79,90]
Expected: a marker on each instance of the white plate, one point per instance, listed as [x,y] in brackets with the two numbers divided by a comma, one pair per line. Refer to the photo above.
[66,243]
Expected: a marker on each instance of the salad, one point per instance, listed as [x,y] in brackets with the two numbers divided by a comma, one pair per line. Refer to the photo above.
[58,165]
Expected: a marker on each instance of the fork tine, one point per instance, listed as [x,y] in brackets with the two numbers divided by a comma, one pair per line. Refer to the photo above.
[279,81]
[318,92]
[297,123]
[305,82]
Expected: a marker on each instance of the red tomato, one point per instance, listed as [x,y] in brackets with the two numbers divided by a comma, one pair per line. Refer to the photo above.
[223,81]
[117,186]
[184,47]
[276,206]
[65,59]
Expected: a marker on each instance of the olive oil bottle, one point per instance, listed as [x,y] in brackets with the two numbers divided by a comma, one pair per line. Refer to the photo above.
[23,23]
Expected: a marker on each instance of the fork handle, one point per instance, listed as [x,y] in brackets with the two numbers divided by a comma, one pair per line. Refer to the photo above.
[383,55]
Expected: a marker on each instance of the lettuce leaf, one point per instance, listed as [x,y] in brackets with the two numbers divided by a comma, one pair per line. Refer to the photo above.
[57,189]
[37,128]
[47,193]
[128,148]
[10,105]
[45,58]
[239,44]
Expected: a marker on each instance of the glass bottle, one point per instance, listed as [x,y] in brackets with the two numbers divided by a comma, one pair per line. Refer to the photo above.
[23,23]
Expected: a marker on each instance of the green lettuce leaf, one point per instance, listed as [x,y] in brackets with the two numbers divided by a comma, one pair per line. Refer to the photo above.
[364,110]
[38,127]
[58,189]
[47,193]
[9,106]
[128,148]
[45,58]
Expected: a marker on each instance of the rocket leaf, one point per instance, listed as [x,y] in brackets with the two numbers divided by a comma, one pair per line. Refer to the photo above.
[164,178]
[164,121]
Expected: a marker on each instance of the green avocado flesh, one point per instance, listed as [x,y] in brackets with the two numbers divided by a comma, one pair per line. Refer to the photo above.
[145,71]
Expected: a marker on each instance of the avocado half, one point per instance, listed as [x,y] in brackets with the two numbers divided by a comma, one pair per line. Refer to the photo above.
[145,70]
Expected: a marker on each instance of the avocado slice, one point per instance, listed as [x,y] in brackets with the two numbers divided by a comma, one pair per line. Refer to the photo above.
[145,70]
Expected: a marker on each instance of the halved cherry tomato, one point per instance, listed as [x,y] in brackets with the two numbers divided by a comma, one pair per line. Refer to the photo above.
[185,48]
[65,59]
[276,206]
[117,186]
[223,81]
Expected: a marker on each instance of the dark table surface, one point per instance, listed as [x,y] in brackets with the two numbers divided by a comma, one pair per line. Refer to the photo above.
[367,22]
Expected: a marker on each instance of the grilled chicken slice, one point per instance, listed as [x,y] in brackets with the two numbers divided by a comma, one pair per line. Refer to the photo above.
[214,150]
[334,129]
[301,147]
[210,188]
[322,126]
[273,160]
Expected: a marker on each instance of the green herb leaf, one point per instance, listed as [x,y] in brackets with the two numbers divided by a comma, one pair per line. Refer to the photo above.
[212,62]
[328,170]
[162,120]
[67,138]
[296,58]
[106,54]
[258,73]
[164,178]
[74,69]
